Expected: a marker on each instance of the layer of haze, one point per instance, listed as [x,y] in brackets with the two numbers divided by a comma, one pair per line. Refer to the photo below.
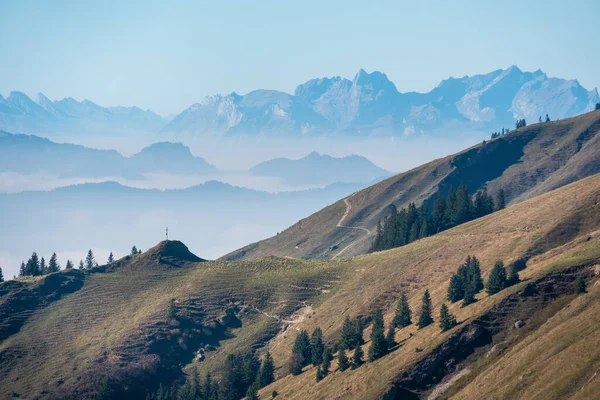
[167,55]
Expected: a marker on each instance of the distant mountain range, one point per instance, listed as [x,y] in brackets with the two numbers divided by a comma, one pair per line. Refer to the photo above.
[321,169]
[368,105]
[19,113]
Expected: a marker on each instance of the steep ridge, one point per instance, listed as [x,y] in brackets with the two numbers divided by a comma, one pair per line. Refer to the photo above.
[525,162]
[469,359]
[116,330]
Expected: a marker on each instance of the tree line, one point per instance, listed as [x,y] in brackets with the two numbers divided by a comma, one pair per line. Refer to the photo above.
[36,266]
[411,223]
[243,376]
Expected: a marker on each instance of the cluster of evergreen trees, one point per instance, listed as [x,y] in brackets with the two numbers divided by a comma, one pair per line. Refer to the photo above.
[467,281]
[244,375]
[521,123]
[501,133]
[412,223]
[37,267]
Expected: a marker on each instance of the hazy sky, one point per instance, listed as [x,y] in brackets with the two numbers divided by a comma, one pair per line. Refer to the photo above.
[166,55]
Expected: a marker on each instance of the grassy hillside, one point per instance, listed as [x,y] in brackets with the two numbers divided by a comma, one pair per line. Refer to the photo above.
[112,327]
[525,163]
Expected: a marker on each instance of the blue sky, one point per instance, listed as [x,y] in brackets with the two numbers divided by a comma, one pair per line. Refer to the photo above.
[166,55]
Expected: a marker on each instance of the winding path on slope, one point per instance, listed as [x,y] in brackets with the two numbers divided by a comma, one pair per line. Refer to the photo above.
[341,225]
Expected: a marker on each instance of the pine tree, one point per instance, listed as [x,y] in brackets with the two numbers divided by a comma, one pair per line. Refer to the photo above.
[513,277]
[447,320]
[90,260]
[500,201]
[390,337]
[319,375]
[139,251]
[69,264]
[455,288]
[266,375]
[463,205]
[251,393]
[134,251]
[378,346]
[497,279]
[475,275]
[33,265]
[342,359]
[251,369]
[349,336]
[301,352]
[317,346]
[81,266]
[414,232]
[53,265]
[425,318]
[1,276]
[547,118]
[327,357]
[111,258]
[357,358]
[469,294]
[172,311]
[43,267]
[438,215]
[581,286]
[402,316]
[424,229]
[23,269]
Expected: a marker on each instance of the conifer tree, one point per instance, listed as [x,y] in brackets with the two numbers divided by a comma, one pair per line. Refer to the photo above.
[90,260]
[53,264]
[424,229]
[475,275]
[319,375]
[357,358]
[1,276]
[378,346]
[327,357]
[43,267]
[402,316]
[23,269]
[500,201]
[414,232]
[33,265]
[463,205]
[302,352]
[134,251]
[317,346]
[81,266]
[111,258]
[357,332]
[251,369]
[497,279]
[139,251]
[469,294]
[425,318]
[266,375]
[251,393]
[348,334]
[172,310]
[455,288]
[69,264]
[390,337]
[342,359]
[597,106]
[513,277]
[438,215]
[447,320]
[547,118]
[581,286]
